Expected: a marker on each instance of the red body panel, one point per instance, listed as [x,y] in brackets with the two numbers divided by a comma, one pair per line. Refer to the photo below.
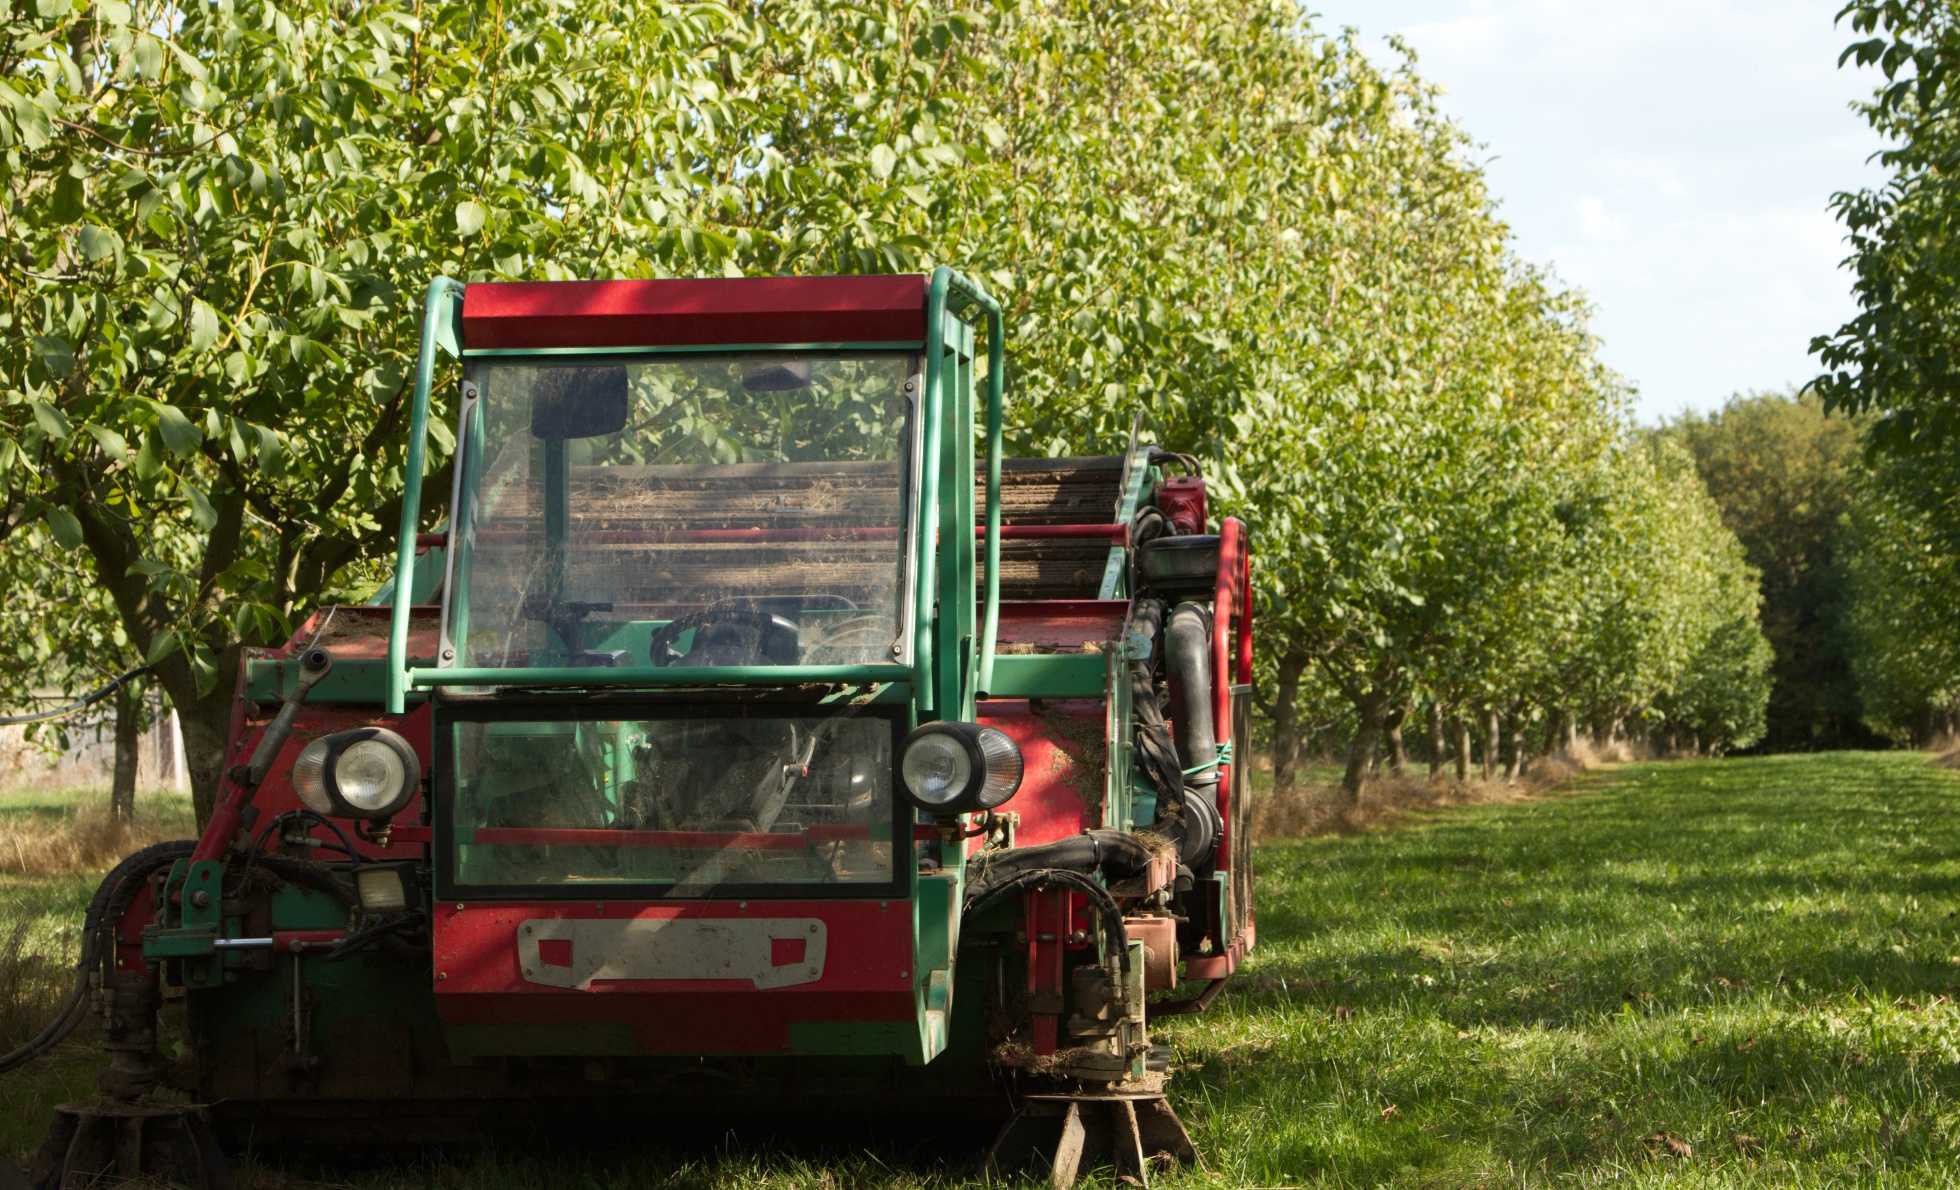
[1064,746]
[867,976]
[687,313]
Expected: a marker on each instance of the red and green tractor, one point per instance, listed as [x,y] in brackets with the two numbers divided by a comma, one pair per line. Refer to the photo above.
[754,738]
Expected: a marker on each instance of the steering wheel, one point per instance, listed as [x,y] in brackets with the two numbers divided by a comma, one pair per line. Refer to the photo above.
[727,634]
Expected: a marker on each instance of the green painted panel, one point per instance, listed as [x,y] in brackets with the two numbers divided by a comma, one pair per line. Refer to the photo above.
[1061,675]
[349,681]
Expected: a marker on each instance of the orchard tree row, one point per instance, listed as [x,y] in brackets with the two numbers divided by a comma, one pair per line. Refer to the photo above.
[219,218]
[1893,367]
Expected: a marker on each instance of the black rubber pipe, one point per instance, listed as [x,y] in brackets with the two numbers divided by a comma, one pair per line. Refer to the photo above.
[1116,854]
[1187,656]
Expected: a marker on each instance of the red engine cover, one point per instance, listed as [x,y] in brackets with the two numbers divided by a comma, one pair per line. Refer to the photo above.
[1182,501]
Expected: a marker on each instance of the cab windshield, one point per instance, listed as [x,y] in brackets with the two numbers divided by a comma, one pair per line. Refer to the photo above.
[716,510]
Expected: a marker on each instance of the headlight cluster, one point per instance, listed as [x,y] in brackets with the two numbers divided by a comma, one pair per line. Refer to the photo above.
[369,772]
[949,768]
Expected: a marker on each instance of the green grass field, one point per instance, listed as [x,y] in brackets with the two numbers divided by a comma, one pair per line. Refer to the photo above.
[1733,973]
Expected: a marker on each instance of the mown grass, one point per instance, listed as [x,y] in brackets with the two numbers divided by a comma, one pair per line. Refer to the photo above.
[1733,973]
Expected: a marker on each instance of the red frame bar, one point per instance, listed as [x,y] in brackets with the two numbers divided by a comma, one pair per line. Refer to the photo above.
[1231,594]
[679,840]
[703,312]
[698,536]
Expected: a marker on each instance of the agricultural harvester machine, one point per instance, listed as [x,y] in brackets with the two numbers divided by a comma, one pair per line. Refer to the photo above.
[755,738]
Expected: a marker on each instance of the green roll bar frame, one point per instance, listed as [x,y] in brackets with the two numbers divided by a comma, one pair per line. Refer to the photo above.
[442,327]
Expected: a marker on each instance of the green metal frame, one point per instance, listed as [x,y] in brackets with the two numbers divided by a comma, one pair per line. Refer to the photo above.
[951,685]
[442,325]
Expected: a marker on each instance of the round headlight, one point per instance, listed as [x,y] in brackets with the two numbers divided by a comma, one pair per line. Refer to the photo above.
[369,772]
[310,777]
[370,775]
[936,769]
[949,768]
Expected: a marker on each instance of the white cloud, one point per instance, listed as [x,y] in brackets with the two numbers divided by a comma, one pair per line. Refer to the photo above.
[1595,223]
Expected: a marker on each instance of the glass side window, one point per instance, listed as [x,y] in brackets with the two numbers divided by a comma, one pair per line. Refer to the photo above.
[694,511]
[693,803]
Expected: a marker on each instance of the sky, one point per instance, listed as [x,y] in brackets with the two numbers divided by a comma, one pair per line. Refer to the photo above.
[1672,158]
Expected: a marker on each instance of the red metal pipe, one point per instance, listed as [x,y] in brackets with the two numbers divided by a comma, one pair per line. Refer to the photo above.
[1245,615]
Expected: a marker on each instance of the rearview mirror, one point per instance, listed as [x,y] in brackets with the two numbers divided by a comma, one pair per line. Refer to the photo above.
[578,402]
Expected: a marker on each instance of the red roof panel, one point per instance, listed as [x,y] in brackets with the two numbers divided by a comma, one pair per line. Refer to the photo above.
[684,313]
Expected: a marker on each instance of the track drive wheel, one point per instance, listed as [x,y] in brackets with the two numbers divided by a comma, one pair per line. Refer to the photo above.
[1136,1133]
[111,1140]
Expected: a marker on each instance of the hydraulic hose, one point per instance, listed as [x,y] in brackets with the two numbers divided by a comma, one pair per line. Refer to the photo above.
[1107,911]
[1116,854]
[1187,655]
[98,923]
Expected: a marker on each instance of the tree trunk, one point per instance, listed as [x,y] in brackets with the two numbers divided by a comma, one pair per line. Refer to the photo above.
[1554,730]
[1369,715]
[1286,722]
[1398,751]
[1462,749]
[206,724]
[1517,747]
[1493,743]
[122,785]
[1436,745]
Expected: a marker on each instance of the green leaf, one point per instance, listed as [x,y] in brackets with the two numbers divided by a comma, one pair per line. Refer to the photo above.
[56,355]
[179,434]
[204,326]
[149,459]
[30,119]
[162,645]
[470,217]
[70,199]
[204,669]
[66,527]
[53,420]
[147,54]
[883,161]
[99,244]
[111,442]
[203,514]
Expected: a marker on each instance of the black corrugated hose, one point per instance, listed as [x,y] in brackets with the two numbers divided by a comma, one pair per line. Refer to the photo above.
[105,908]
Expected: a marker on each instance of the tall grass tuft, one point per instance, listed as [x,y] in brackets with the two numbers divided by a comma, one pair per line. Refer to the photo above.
[32,983]
[86,836]
[1316,808]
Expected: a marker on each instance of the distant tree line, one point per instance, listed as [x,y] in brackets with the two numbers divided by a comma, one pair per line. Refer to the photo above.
[219,219]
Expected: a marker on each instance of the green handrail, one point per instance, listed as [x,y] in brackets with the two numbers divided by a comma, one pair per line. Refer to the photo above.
[671,675]
[438,316]
[927,530]
[945,280]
